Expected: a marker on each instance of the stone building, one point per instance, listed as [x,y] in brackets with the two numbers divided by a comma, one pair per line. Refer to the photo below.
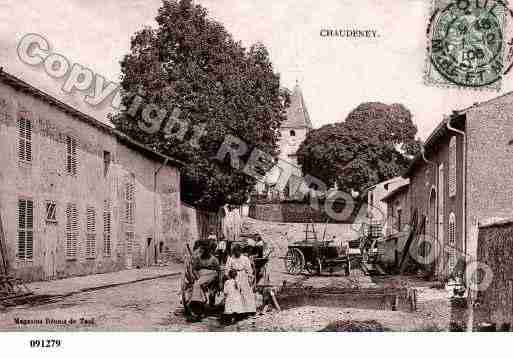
[76,196]
[464,180]
[396,228]
[377,209]
[293,132]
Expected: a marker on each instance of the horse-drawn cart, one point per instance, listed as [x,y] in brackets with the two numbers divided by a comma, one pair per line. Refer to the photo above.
[316,256]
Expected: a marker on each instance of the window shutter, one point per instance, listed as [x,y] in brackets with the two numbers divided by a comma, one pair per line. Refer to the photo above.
[71,230]
[74,156]
[452,241]
[90,232]
[24,139]
[71,155]
[106,228]
[25,229]
[22,217]
[452,167]
[28,141]
[129,242]
[130,200]
[30,230]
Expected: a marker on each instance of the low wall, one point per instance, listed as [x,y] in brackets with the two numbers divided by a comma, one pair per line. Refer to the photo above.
[279,235]
[495,249]
[401,299]
[296,213]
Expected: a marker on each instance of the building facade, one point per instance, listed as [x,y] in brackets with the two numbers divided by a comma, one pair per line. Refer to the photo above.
[464,180]
[76,196]
[397,210]
[377,209]
[397,225]
[437,193]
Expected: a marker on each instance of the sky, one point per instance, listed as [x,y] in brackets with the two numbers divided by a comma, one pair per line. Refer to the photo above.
[336,74]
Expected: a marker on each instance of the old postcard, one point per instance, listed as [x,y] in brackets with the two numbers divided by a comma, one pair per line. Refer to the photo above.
[255,166]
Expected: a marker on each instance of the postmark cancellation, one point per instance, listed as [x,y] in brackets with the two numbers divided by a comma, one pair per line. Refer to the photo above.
[469,43]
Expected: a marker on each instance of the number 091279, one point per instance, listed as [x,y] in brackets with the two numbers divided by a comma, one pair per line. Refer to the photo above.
[45,343]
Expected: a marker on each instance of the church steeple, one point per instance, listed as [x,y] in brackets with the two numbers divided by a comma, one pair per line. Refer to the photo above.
[297,113]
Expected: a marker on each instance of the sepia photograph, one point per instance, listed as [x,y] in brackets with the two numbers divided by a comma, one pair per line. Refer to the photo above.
[253,166]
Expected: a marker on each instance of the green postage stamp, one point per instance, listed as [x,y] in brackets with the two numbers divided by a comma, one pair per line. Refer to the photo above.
[469,43]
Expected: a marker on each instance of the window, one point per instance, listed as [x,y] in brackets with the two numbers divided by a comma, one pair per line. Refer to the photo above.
[292,133]
[71,230]
[106,163]
[24,139]
[71,155]
[130,200]
[452,167]
[107,228]
[452,241]
[51,212]
[25,229]
[129,242]
[90,232]
[399,219]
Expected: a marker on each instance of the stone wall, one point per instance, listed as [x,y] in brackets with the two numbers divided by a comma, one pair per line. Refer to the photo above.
[490,173]
[298,213]
[280,235]
[495,249]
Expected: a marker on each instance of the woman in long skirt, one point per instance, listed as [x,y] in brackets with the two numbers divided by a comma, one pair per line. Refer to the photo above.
[242,265]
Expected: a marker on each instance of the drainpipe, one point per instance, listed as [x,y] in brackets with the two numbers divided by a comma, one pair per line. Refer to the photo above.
[155,201]
[464,202]
[434,164]
[470,320]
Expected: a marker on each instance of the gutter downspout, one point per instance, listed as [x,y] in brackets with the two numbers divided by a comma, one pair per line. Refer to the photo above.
[155,201]
[464,202]
[435,165]
[470,320]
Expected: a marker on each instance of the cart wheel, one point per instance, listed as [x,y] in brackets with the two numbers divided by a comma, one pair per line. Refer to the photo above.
[348,268]
[294,261]
[315,267]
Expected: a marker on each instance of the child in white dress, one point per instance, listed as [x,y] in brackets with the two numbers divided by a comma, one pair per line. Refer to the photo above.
[232,298]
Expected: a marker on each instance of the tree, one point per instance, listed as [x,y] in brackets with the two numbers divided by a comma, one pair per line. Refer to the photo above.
[375,142]
[191,62]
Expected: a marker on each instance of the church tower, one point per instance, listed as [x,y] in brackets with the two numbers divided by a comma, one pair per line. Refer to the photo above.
[295,128]
[293,132]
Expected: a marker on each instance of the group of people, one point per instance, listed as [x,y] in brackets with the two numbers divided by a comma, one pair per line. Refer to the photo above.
[204,274]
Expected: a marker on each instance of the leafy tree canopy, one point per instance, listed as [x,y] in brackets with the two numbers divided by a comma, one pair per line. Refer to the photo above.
[190,61]
[375,142]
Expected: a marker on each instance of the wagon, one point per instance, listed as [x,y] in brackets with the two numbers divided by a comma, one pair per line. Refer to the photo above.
[316,257]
